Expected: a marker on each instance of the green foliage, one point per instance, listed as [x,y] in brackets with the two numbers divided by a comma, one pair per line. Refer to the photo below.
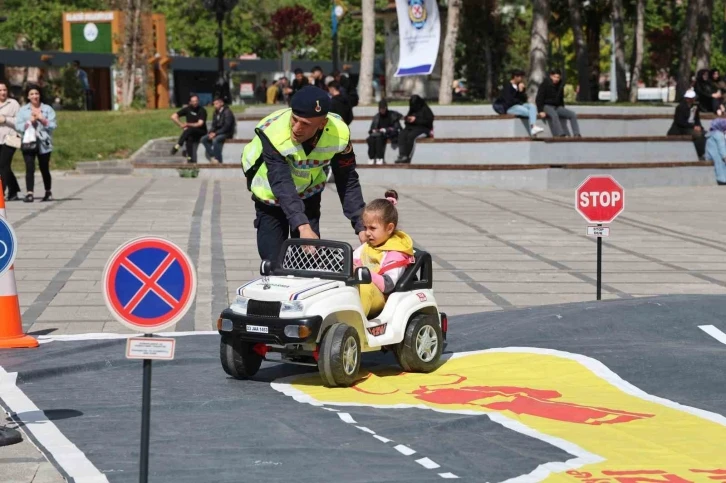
[192,30]
[40,21]
[71,90]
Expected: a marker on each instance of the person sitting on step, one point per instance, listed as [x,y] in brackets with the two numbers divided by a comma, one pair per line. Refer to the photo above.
[514,100]
[419,123]
[386,124]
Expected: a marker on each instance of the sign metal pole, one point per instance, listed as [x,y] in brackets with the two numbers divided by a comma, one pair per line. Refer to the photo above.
[599,264]
[145,421]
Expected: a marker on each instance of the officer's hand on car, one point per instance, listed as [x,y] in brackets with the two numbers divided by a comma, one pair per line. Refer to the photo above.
[307,232]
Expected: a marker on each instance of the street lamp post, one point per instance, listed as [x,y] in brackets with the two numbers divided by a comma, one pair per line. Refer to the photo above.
[220,8]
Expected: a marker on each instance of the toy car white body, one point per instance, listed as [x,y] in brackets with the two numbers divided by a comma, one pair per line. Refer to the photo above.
[308,310]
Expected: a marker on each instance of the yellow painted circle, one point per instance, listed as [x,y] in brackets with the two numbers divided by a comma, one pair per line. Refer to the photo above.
[616,432]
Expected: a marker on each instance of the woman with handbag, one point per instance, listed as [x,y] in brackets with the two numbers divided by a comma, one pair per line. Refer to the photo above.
[9,142]
[36,121]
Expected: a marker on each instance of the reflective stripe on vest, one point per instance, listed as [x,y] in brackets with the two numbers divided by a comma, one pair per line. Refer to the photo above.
[306,170]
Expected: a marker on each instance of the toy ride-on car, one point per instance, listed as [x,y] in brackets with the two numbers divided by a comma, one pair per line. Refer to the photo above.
[307,308]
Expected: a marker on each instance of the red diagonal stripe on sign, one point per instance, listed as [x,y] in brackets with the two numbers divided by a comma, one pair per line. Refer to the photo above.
[149,283]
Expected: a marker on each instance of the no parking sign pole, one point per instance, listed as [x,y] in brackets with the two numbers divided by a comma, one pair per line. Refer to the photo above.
[599,199]
[149,283]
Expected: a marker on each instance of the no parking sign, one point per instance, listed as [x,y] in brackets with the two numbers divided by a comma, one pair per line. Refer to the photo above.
[148,284]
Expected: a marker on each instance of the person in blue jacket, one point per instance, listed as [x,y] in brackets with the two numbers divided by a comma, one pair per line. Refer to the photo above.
[40,117]
[716,148]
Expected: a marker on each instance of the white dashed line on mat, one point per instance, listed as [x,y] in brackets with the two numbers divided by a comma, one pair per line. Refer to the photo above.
[427,463]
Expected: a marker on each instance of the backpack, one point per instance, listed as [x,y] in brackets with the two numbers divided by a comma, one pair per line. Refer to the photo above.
[498,106]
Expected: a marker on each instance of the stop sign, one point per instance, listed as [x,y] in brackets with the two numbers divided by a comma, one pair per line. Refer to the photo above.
[600,199]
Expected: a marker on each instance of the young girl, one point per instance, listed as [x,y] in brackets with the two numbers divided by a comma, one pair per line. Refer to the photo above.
[386,254]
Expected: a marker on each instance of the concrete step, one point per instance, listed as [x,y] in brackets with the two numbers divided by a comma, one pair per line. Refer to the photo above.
[519,177]
[507,126]
[458,109]
[488,151]
[111,166]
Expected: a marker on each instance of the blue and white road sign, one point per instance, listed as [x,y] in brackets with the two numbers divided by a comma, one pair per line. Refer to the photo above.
[149,284]
[8,246]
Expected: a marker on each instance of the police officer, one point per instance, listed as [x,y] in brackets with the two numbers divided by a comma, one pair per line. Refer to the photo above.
[284,166]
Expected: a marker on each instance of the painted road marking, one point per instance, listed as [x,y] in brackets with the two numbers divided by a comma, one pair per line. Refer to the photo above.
[570,401]
[403,449]
[46,435]
[427,463]
[714,332]
[347,418]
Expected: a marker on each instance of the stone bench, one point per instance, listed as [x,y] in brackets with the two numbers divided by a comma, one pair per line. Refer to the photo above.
[506,126]
[523,150]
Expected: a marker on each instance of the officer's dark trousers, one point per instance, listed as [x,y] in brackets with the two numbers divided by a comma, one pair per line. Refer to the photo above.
[273,228]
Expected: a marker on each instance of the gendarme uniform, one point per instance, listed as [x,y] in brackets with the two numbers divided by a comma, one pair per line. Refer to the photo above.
[287,179]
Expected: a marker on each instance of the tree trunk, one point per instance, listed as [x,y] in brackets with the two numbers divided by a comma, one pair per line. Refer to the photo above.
[132,29]
[705,25]
[583,65]
[538,46]
[688,37]
[449,54]
[638,50]
[368,52]
[617,19]
[594,26]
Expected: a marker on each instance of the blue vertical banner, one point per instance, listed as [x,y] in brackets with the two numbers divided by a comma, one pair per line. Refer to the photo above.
[419,32]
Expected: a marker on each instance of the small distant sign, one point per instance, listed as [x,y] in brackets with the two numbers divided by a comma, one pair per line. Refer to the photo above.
[246,89]
[150,348]
[598,231]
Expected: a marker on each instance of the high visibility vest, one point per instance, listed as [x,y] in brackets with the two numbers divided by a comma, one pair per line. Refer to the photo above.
[307,170]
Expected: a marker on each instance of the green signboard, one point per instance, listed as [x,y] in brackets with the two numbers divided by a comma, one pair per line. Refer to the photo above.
[91,37]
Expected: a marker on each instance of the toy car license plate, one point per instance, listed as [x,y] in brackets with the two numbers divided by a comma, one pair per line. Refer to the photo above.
[261,329]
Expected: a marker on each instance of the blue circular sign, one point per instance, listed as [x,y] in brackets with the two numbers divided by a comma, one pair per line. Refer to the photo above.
[8,246]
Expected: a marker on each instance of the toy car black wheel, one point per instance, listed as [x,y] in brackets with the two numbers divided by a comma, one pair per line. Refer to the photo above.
[237,357]
[422,344]
[339,359]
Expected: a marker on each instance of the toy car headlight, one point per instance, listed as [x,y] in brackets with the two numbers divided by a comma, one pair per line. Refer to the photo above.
[239,305]
[293,306]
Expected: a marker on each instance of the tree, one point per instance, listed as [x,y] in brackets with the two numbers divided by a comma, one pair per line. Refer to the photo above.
[617,19]
[635,74]
[538,46]
[705,25]
[583,64]
[688,37]
[447,63]
[368,52]
[293,27]
[132,51]
[191,28]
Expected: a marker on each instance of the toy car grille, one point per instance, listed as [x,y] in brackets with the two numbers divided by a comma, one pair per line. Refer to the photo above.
[319,258]
[263,309]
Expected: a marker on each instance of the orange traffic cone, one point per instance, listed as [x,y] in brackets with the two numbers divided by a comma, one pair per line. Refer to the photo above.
[11,325]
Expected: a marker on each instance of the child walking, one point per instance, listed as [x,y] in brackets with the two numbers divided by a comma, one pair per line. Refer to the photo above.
[386,254]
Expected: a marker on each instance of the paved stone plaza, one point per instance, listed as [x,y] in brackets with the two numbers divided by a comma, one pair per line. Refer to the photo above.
[493,249]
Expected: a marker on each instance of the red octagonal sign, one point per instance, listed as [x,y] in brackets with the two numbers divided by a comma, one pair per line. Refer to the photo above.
[600,199]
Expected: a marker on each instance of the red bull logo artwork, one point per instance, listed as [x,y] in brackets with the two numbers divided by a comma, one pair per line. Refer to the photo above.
[616,432]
